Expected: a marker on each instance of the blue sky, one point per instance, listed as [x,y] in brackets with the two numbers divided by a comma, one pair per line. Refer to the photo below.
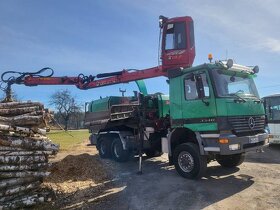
[98,36]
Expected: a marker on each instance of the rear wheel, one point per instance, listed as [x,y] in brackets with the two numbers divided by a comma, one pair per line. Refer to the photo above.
[188,161]
[104,147]
[230,161]
[118,153]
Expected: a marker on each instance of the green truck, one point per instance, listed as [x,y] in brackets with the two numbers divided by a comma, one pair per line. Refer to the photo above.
[213,112]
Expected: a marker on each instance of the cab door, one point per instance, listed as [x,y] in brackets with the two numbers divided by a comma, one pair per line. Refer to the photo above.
[198,102]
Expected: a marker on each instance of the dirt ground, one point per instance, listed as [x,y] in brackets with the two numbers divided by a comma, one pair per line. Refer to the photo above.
[81,180]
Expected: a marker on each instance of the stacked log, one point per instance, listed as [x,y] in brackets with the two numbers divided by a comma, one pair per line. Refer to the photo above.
[24,153]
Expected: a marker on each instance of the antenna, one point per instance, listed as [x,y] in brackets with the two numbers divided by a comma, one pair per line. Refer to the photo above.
[162,21]
[226,54]
[159,46]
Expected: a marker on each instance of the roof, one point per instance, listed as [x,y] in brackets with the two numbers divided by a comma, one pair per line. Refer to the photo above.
[272,96]
[215,65]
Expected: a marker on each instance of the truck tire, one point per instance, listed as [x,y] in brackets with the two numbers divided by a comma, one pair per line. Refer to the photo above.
[104,147]
[230,161]
[118,153]
[188,161]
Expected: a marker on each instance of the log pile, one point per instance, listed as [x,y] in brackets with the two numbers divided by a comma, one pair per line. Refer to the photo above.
[24,152]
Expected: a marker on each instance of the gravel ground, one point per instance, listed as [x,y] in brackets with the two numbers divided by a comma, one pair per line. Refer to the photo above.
[253,185]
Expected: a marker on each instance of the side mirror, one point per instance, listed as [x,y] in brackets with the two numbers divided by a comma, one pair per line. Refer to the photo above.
[200,89]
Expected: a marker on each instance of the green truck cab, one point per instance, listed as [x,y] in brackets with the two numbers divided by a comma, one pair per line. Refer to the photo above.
[214,109]
[213,112]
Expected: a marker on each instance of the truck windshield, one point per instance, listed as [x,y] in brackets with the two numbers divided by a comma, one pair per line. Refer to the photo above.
[231,83]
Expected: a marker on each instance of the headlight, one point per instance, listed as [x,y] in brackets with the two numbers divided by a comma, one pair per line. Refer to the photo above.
[234,147]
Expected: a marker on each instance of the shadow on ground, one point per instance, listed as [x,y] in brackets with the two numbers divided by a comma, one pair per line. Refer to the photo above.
[160,187]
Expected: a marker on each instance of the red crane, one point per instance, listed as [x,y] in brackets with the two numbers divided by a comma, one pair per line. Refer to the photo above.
[177,51]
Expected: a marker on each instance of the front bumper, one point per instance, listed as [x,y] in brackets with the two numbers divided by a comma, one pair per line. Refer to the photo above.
[274,139]
[247,143]
[235,144]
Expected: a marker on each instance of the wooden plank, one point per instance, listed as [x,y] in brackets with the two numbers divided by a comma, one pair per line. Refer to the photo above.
[4,148]
[29,200]
[19,174]
[23,120]
[35,113]
[19,104]
[22,129]
[20,160]
[19,188]
[18,110]
[28,143]
[25,153]
[35,166]
[16,181]
[6,199]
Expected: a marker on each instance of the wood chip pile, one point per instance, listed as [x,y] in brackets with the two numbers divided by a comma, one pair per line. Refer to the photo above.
[24,152]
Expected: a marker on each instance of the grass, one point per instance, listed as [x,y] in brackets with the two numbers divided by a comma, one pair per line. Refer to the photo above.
[68,139]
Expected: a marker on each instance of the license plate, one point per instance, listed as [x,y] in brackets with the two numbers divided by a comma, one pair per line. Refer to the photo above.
[253,140]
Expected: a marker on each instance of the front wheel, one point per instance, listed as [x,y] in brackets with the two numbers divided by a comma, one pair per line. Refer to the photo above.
[188,161]
[230,161]
[118,153]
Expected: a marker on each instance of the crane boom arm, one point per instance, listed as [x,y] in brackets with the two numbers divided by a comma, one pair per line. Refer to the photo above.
[89,82]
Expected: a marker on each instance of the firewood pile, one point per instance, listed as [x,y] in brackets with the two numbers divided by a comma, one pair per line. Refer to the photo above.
[24,153]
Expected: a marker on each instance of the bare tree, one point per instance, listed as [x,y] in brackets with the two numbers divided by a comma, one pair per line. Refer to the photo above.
[77,119]
[65,104]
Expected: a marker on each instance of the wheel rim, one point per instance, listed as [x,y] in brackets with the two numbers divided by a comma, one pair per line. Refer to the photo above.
[117,150]
[186,161]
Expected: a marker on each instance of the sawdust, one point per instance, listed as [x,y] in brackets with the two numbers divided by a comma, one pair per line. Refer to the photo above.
[77,177]
[78,168]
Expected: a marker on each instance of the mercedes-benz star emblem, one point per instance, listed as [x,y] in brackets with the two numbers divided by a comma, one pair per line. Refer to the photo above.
[251,123]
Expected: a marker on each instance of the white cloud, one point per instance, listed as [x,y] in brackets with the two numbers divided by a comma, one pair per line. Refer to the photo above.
[270,43]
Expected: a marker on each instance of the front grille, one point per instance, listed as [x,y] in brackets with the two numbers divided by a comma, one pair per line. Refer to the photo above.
[242,124]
